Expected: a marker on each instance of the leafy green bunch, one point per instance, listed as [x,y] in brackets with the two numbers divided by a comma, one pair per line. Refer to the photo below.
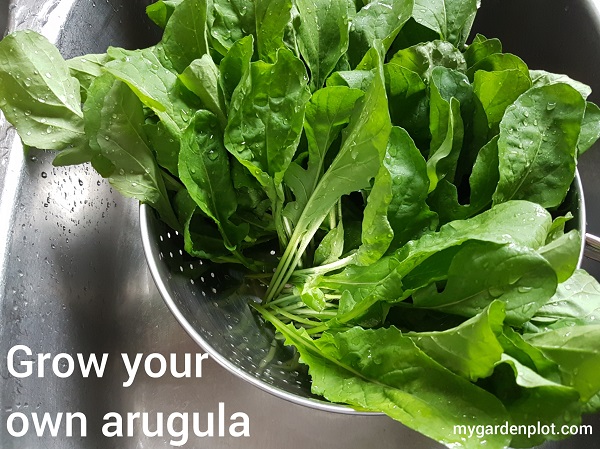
[418,190]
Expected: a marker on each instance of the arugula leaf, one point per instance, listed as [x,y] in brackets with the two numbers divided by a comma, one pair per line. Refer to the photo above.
[86,69]
[396,210]
[515,346]
[423,58]
[377,20]
[482,182]
[537,163]
[200,234]
[165,146]
[543,78]
[161,11]
[323,41]
[40,98]
[448,88]
[204,170]
[234,65]
[497,90]
[576,302]
[229,21]
[266,116]
[156,86]
[272,18]
[184,39]
[480,273]
[576,353]
[497,62]
[327,112]
[452,19]
[563,254]
[384,370]
[471,349]
[356,163]
[531,399]
[590,128]
[481,48]
[119,136]
[202,78]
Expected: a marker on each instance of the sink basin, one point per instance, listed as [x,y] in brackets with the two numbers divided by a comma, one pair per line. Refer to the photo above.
[73,276]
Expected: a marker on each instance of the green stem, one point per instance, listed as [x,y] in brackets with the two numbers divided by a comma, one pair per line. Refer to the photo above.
[341,263]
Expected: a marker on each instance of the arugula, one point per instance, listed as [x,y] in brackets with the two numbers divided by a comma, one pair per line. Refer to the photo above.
[417,189]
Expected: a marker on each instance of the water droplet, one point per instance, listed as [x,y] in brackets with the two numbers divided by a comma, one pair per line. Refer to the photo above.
[213,155]
[550,106]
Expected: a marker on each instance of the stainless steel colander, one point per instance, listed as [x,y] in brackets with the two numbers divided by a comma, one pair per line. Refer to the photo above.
[211,302]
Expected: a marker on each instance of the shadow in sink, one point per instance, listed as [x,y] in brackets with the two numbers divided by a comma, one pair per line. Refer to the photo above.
[3,17]
[114,22]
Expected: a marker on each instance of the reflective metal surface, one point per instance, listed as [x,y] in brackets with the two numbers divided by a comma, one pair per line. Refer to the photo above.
[73,277]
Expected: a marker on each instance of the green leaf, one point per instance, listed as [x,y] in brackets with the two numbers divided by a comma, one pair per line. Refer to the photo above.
[409,102]
[446,124]
[498,62]
[384,370]
[272,18]
[322,36]
[234,65]
[576,351]
[116,129]
[327,112]
[266,117]
[229,21]
[355,79]
[424,57]
[576,302]
[590,128]
[482,272]
[451,19]
[482,182]
[39,97]
[204,170]
[537,145]
[471,349]
[396,210]
[543,78]
[378,20]
[200,234]
[357,162]
[532,400]
[481,48]
[497,90]
[202,78]
[563,254]
[516,347]
[184,39]
[331,247]
[165,146]
[157,87]
[161,11]
[86,69]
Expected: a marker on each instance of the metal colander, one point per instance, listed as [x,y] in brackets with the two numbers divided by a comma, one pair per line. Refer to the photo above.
[211,302]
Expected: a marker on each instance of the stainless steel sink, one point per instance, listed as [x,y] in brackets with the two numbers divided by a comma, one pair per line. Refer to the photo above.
[73,278]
